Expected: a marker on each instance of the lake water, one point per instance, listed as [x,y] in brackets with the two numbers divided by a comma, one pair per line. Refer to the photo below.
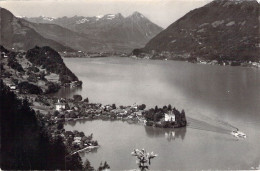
[215,99]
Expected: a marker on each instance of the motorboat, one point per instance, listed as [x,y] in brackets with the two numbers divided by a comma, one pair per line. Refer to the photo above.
[238,134]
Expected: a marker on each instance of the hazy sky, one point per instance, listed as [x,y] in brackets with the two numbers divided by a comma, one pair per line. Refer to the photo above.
[161,12]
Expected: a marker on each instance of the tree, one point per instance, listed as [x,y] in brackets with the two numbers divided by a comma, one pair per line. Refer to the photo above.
[149,115]
[73,162]
[15,65]
[69,133]
[52,87]
[48,115]
[142,107]
[103,166]
[15,81]
[113,106]
[27,88]
[77,97]
[86,100]
[23,144]
[81,134]
[60,126]
[76,133]
[137,52]
[56,113]
[169,107]
[158,116]
[33,69]
[50,60]
[87,166]
[156,109]
[183,116]
[72,115]
[143,158]
[165,108]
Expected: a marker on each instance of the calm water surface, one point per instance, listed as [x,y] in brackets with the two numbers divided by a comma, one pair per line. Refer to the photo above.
[215,98]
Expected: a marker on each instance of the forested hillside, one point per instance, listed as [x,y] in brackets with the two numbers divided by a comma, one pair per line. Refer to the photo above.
[25,144]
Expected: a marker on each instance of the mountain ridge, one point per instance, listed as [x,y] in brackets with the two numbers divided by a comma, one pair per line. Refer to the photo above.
[15,35]
[222,29]
[114,31]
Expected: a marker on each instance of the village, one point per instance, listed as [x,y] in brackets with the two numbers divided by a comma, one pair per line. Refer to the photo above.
[76,108]
[82,54]
[165,55]
[55,112]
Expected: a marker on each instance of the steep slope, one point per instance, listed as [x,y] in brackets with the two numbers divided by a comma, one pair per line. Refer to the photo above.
[15,34]
[50,60]
[39,70]
[77,41]
[25,142]
[113,31]
[222,29]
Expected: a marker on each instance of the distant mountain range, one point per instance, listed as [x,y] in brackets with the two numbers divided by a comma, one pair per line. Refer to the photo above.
[111,32]
[221,30]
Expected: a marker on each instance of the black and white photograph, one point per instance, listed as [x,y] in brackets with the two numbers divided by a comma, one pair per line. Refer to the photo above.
[130,85]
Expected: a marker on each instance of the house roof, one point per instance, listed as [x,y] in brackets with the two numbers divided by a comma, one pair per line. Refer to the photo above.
[170,114]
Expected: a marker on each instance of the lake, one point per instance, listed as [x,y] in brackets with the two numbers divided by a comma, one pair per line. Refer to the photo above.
[216,99]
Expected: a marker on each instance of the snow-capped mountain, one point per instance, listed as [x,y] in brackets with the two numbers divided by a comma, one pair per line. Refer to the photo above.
[40,19]
[81,21]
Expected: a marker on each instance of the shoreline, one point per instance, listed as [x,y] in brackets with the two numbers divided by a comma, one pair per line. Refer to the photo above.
[132,121]
[203,62]
[206,62]
[90,148]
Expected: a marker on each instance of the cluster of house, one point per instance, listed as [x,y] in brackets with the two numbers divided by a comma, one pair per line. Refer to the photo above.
[213,62]
[82,142]
[232,63]
[255,64]
[173,56]
[97,110]
[80,54]
[73,84]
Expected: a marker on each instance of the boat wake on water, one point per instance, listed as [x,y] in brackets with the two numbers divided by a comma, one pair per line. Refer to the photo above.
[205,126]
[214,125]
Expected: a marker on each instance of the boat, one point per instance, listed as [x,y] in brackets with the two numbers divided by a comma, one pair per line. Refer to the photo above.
[238,134]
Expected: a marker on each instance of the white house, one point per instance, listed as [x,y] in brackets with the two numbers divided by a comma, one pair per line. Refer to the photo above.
[77,140]
[12,87]
[60,106]
[169,117]
[138,113]
[134,106]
